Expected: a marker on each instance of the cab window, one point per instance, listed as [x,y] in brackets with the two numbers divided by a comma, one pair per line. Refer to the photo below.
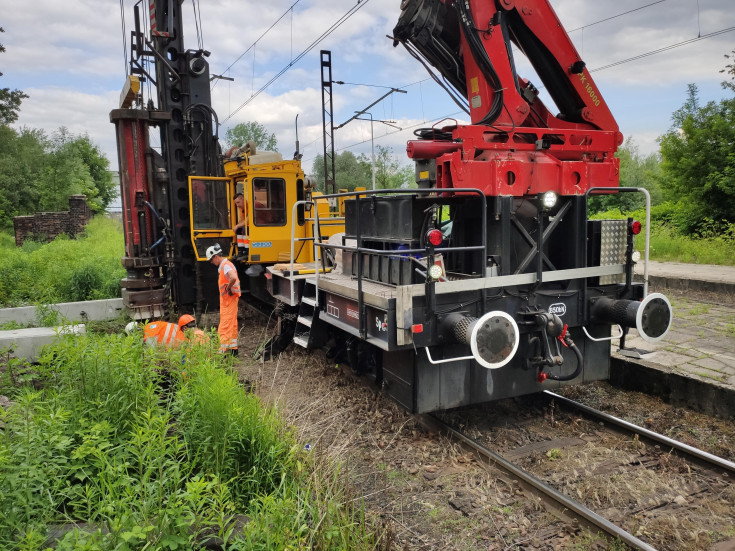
[209,200]
[269,202]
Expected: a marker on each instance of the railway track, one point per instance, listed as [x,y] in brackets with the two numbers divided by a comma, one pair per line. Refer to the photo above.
[706,476]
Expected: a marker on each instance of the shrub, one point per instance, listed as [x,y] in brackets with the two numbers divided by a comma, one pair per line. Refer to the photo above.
[64,270]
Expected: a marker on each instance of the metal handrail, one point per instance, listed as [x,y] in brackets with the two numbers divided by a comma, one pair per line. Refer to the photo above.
[645,192]
[293,240]
[419,191]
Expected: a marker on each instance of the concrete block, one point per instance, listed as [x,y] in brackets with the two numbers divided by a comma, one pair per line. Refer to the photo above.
[83,311]
[27,343]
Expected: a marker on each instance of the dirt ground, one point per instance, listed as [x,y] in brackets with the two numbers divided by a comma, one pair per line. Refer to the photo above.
[434,494]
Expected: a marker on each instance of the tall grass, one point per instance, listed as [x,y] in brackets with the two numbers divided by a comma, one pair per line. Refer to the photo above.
[668,245]
[64,270]
[142,448]
[714,243]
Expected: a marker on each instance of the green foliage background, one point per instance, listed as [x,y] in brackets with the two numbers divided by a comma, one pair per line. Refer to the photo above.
[712,243]
[242,133]
[353,171]
[39,173]
[64,270]
[698,164]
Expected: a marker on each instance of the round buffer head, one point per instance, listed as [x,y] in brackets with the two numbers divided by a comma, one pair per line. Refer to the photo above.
[494,339]
[653,318]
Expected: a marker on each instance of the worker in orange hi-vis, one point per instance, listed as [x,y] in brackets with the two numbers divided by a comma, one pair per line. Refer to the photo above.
[188,326]
[241,228]
[163,333]
[171,335]
[229,295]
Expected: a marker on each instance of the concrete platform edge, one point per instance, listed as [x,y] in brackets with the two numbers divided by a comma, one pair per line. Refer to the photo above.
[662,283]
[673,388]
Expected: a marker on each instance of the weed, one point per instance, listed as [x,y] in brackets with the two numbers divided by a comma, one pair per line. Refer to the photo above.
[396,475]
[47,315]
[119,440]
[554,454]
[506,509]
[708,375]
[699,309]
[585,541]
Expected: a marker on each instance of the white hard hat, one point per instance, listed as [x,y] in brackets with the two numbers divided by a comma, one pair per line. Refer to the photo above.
[130,327]
[213,250]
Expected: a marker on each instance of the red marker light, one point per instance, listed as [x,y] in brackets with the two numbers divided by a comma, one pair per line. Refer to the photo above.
[435,237]
[635,227]
[418,328]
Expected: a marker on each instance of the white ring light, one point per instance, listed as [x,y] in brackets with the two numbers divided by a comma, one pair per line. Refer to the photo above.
[639,317]
[475,331]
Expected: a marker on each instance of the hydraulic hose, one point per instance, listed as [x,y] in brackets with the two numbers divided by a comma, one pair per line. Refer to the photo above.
[483,61]
[580,362]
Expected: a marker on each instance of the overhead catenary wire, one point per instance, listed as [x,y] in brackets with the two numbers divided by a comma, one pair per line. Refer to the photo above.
[388,133]
[664,49]
[349,13]
[231,65]
[124,37]
[614,16]
[198,23]
[620,62]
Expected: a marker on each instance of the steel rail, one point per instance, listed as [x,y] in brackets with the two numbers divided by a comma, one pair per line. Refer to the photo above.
[654,436]
[579,509]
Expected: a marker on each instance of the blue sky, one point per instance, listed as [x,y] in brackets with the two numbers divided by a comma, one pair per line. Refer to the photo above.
[69,57]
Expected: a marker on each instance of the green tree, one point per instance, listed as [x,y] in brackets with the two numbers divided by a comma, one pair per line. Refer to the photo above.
[390,172]
[636,170]
[22,159]
[106,189]
[350,171]
[729,70]
[39,174]
[245,132]
[698,165]
[10,100]
[353,171]
[64,174]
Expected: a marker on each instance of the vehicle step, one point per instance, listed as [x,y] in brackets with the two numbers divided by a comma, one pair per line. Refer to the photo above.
[301,341]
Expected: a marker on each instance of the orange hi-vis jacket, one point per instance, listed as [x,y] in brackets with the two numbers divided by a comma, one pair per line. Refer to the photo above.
[227,328]
[225,268]
[163,333]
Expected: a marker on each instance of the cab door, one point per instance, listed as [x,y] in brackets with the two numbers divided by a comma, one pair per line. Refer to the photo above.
[269,210]
[212,214]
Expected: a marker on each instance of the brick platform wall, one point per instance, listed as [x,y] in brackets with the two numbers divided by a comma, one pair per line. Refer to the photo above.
[48,225]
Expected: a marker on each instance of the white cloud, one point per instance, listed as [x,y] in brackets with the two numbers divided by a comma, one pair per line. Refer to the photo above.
[68,56]
[81,113]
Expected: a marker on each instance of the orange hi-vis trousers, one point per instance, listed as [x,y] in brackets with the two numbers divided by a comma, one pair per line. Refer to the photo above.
[227,309]
[227,328]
